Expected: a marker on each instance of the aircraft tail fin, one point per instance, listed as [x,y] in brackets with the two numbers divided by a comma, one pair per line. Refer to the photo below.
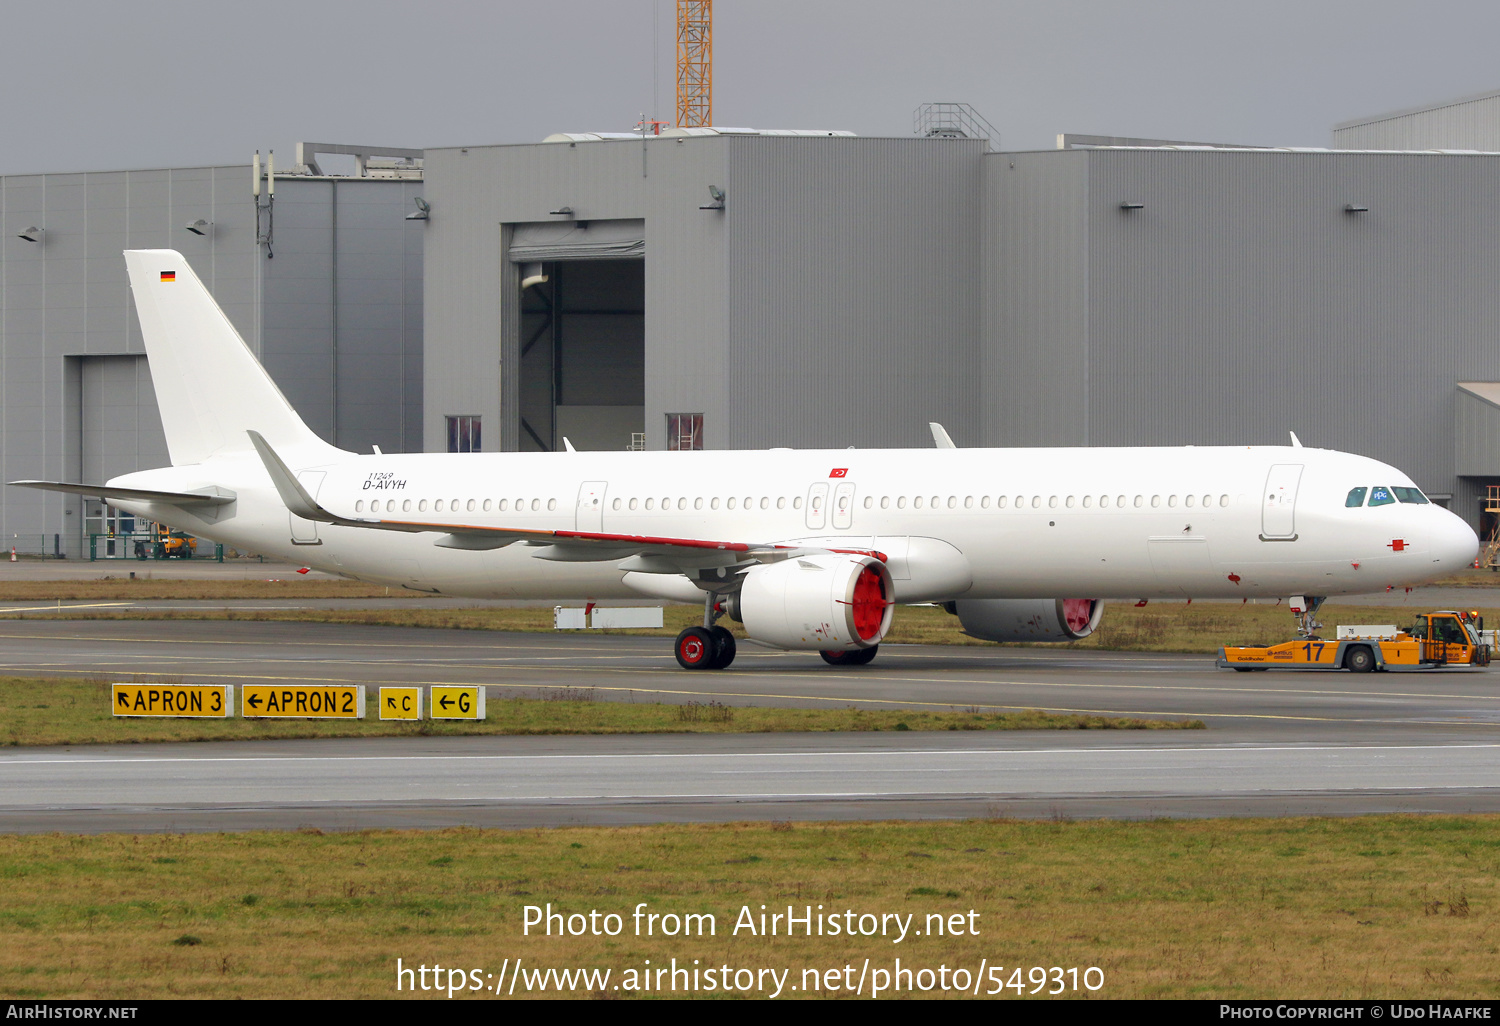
[210,388]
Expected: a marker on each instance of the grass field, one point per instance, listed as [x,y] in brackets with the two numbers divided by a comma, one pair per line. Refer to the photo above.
[37,711]
[1392,907]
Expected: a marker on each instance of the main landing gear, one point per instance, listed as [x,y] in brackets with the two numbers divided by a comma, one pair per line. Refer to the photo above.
[705,648]
[709,647]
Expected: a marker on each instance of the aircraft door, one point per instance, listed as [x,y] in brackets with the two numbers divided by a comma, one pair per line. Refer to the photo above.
[305,532]
[843,506]
[1278,511]
[591,505]
[817,505]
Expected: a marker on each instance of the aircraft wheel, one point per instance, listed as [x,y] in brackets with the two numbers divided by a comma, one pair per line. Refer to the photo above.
[1359,659]
[724,647]
[695,649]
[847,657]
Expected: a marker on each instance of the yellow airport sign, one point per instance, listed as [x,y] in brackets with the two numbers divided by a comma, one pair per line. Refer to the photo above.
[451,702]
[303,701]
[191,700]
[400,703]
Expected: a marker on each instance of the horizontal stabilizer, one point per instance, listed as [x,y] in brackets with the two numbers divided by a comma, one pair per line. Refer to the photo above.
[204,497]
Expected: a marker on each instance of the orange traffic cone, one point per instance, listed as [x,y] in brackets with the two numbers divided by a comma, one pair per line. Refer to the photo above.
[12,553]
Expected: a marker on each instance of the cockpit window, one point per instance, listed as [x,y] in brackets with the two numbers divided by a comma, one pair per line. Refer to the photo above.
[1412,495]
[1380,495]
[1356,497]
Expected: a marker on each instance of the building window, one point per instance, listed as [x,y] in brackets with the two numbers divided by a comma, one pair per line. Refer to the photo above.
[463,434]
[684,431]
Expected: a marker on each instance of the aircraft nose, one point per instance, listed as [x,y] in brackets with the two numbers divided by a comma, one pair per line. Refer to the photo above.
[1454,543]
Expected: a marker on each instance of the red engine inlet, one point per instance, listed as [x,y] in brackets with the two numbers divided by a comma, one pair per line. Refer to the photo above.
[1077,614]
[869,604]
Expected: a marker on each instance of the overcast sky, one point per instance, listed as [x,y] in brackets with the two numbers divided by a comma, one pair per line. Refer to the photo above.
[153,83]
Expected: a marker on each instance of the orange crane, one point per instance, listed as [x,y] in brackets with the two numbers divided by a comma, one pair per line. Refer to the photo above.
[695,63]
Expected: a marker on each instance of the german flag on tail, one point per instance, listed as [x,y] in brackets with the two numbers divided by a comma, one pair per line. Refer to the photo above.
[168,276]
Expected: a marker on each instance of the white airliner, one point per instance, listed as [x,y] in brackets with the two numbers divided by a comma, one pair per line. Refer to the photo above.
[808,549]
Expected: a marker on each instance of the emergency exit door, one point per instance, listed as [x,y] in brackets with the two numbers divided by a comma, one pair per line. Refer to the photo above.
[591,506]
[1278,511]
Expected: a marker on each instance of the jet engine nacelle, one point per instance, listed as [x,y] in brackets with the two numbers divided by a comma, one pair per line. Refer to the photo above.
[1028,619]
[830,603]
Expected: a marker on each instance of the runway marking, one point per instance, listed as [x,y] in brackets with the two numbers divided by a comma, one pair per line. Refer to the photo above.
[19,760]
[55,608]
[764,795]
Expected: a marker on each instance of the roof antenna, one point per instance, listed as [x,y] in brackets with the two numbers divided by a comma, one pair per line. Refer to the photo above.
[1296,442]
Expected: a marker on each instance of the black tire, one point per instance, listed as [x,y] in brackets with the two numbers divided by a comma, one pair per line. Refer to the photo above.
[1359,659]
[850,657]
[695,649]
[724,647]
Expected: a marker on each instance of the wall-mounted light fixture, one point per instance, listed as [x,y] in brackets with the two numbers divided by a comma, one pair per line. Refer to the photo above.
[32,234]
[1131,205]
[531,274]
[199,227]
[562,212]
[1355,208]
[423,207]
[717,195]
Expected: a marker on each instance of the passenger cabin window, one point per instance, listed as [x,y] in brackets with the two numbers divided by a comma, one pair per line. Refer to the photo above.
[1356,497]
[1380,495]
[1411,495]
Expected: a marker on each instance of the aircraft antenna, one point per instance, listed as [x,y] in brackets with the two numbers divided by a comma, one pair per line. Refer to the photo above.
[695,63]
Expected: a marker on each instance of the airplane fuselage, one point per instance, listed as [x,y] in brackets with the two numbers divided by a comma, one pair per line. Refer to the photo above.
[1209,522]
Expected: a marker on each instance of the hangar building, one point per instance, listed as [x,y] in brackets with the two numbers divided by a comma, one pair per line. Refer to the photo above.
[724,289]
[323,281]
[732,289]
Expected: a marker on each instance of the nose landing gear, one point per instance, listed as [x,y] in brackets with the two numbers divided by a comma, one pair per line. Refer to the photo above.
[1306,612]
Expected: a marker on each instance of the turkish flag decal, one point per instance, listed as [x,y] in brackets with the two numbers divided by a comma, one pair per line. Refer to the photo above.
[1397,545]
[839,472]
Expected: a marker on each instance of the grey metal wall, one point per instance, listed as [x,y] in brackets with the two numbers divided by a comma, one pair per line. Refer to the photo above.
[832,302]
[1242,301]
[1035,367]
[1471,123]
[66,300]
[343,309]
[853,297]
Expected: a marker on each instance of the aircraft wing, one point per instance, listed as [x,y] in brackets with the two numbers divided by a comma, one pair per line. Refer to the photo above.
[206,497]
[644,553]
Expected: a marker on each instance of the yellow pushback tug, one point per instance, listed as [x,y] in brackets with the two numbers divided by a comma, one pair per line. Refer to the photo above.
[1444,638]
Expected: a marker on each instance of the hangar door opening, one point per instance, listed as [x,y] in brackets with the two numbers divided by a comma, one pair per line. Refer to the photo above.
[113,428]
[582,325]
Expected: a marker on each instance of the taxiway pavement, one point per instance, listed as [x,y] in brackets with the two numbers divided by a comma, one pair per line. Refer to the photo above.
[1277,743]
